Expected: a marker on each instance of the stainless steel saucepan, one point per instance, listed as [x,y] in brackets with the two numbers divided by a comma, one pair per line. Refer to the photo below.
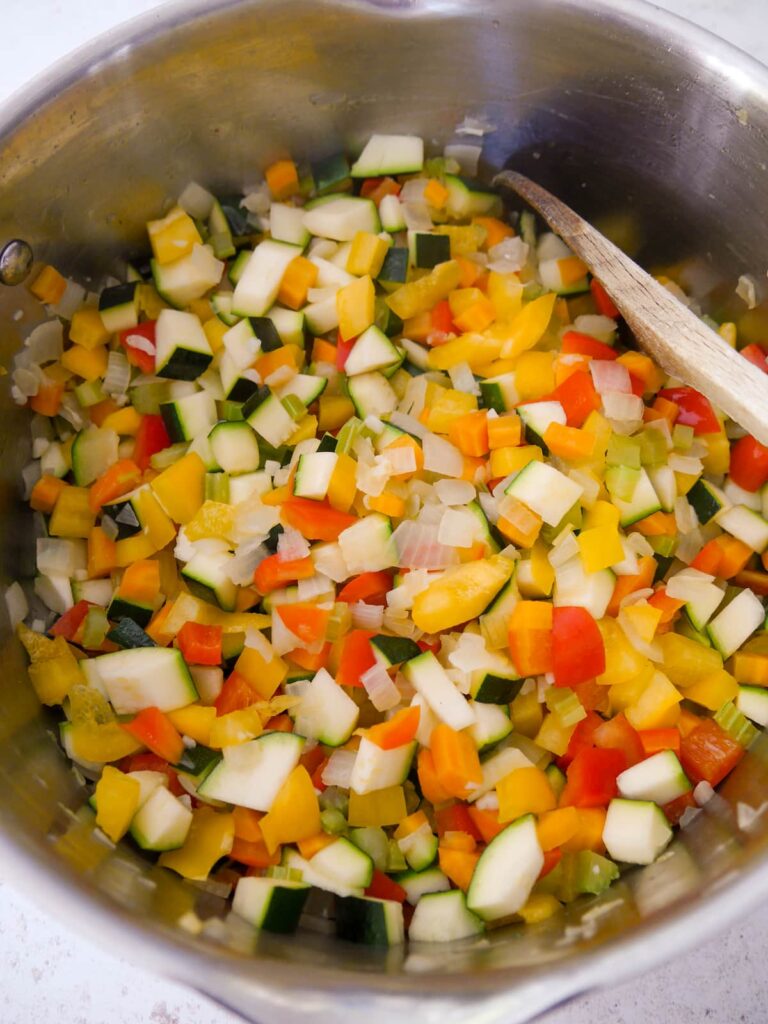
[655,130]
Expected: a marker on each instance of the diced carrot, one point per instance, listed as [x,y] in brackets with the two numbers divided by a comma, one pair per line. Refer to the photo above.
[629,584]
[49,285]
[659,524]
[46,493]
[282,179]
[323,351]
[123,476]
[470,433]
[669,606]
[504,431]
[571,443]
[300,275]
[397,731]
[286,355]
[47,401]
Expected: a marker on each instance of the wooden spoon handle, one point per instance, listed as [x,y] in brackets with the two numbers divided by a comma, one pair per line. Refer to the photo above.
[677,340]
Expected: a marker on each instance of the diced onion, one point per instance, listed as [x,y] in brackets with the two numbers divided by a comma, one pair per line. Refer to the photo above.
[60,557]
[508,256]
[317,587]
[563,552]
[489,506]
[30,474]
[455,492]
[685,464]
[247,558]
[746,290]
[610,375]
[600,327]
[418,547]
[196,201]
[401,459]
[381,691]
[689,546]
[685,517]
[118,374]
[16,603]
[457,528]
[366,616]
[338,770]
[703,793]
[440,456]
[626,408]
[45,344]
[416,216]
[412,404]
[463,379]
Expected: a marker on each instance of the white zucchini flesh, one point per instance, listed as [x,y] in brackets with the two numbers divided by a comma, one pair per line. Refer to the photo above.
[659,778]
[635,831]
[506,872]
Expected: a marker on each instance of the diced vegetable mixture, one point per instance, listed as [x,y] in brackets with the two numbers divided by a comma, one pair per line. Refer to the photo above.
[372,556]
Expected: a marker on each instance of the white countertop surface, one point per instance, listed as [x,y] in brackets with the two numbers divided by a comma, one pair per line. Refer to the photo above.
[49,973]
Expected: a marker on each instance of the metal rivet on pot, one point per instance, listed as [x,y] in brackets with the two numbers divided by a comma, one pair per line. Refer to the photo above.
[15,261]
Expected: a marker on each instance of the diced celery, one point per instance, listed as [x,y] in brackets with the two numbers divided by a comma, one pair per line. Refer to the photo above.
[89,393]
[217,487]
[333,821]
[95,627]
[168,456]
[231,411]
[623,451]
[564,703]
[653,447]
[682,437]
[348,434]
[294,407]
[147,398]
[621,481]
[735,724]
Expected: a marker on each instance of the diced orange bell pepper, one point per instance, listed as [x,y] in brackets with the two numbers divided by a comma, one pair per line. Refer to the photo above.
[495,230]
[504,431]
[49,285]
[306,621]
[282,178]
[626,585]
[102,557]
[470,433]
[486,822]
[156,731]
[429,782]
[456,761]
[530,637]
[300,275]
[659,524]
[312,662]
[316,520]
[47,401]
[254,853]
[46,493]
[398,730]
[274,571]
[571,443]
[119,479]
[141,581]
[458,865]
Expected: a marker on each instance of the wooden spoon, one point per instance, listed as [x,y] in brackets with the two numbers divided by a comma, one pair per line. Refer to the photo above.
[675,337]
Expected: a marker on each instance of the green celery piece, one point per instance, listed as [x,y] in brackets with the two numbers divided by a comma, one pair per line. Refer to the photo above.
[735,724]
[348,434]
[653,447]
[333,821]
[623,451]
[593,873]
[563,702]
[621,481]
[395,859]
[682,437]
[294,407]
[95,628]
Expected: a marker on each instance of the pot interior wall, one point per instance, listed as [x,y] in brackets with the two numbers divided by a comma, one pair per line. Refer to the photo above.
[666,149]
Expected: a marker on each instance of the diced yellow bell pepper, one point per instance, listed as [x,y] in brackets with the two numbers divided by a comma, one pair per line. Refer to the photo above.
[622,695]
[40,647]
[202,309]
[602,513]
[465,238]
[173,236]
[598,425]
[54,677]
[447,406]
[49,285]
[366,257]
[421,295]
[718,457]
[150,303]
[181,487]
[382,807]
[125,422]
[264,676]
[538,907]
[514,459]
[334,411]
[212,519]
[713,690]
[461,595]
[750,664]
[355,307]
[295,813]
[195,721]
[534,375]
[553,735]
[686,661]
[215,330]
[728,333]
[684,482]
[117,799]
[86,329]
[528,326]
[462,299]
[388,504]
[235,727]
[305,428]
[476,317]
[643,618]
[157,526]
[342,486]
[527,713]
[538,576]
[132,549]
[101,742]
[506,293]
[210,838]
[88,363]
[658,705]
[473,349]
[600,548]
[72,515]
[524,791]
[623,663]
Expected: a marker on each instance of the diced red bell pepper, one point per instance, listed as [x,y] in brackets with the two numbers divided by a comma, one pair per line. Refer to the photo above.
[135,353]
[456,818]
[382,887]
[441,318]
[253,853]
[749,463]
[153,763]
[343,348]
[576,343]
[592,778]
[582,737]
[273,571]
[578,397]
[356,657]
[676,808]
[656,740]
[603,301]
[551,859]
[708,753]
[618,734]
[316,520]
[235,695]
[151,437]
[377,188]
[578,651]
[157,732]
[694,410]
[368,587]
[199,644]
[755,354]
[637,385]
[69,623]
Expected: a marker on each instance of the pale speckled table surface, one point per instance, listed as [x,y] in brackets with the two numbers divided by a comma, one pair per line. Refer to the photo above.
[49,973]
